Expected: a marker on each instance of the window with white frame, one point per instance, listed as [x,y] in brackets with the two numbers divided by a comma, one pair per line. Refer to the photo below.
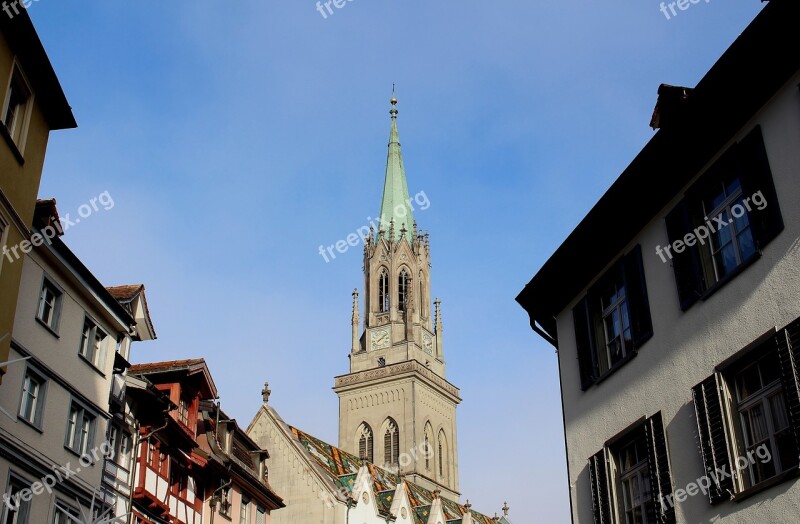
[15,510]
[92,346]
[80,428]
[31,406]
[747,415]
[261,515]
[726,218]
[630,477]
[49,308]
[17,107]
[65,514]
[612,322]
[244,512]
[119,446]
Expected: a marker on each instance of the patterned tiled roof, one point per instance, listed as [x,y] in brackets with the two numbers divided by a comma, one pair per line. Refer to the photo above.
[342,468]
[125,293]
[164,366]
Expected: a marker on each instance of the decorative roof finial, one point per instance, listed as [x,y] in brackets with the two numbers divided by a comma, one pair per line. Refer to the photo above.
[393,111]
[468,506]
[505,509]
[266,392]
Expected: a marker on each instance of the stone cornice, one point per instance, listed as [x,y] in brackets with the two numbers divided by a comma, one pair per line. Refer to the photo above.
[411,367]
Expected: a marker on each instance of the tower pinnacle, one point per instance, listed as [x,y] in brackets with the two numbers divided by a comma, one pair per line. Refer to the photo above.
[395,205]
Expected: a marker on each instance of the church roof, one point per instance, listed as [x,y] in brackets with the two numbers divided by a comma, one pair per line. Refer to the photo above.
[342,469]
[396,211]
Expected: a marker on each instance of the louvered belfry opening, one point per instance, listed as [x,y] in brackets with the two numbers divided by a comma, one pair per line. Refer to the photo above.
[391,444]
[365,443]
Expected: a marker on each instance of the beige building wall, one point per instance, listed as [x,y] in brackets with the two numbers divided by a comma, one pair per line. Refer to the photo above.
[20,174]
[308,497]
[686,347]
[54,355]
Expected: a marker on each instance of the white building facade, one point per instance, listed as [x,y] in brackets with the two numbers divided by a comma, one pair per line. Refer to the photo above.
[674,305]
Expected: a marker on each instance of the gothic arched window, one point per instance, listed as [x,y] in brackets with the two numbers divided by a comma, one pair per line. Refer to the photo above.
[383,290]
[423,301]
[365,443]
[444,467]
[428,451]
[402,290]
[391,444]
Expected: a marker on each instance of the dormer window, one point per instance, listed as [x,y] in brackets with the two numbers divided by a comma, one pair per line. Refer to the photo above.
[183,411]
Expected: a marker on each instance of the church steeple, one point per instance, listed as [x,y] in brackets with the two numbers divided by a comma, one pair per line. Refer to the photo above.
[396,211]
[396,391]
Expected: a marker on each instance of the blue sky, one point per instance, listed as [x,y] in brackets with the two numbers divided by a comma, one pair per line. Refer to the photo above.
[237,137]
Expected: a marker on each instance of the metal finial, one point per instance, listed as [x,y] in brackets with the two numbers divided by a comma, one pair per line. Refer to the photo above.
[266,392]
[505,509]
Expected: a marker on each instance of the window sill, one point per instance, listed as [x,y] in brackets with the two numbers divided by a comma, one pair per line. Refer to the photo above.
[47,327]
[602,378]
[767,484]
[730,276]
[80,457]
[92,365]
[12,145]
[30,424]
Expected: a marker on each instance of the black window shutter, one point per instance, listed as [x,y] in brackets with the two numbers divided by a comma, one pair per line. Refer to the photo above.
[756,176]
[658,462]
[584,342]
[789,354]
[713,440]
[686,264]
[638,304]
[601,503]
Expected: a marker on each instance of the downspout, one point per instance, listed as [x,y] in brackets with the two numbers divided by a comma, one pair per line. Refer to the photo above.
[350,503]
[214,495]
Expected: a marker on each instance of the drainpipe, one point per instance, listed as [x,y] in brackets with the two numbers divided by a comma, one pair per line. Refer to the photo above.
[214,497]
[350,503]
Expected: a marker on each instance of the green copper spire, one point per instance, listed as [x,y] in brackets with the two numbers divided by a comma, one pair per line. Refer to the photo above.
[396,212]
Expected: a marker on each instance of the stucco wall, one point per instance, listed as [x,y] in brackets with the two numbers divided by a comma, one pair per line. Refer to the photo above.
[687,346]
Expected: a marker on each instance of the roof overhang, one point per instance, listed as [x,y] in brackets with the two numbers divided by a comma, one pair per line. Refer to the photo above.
[750,72]
[27,47]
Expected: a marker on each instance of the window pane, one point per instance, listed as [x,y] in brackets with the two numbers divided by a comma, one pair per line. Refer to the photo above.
[756,425]
[780,416]
[72,425]
[787,450]
[748,382]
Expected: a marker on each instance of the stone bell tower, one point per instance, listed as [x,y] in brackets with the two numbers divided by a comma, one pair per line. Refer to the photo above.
[396,407]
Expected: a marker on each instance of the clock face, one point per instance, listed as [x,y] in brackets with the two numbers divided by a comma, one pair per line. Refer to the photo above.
[427,344]
[379,339]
